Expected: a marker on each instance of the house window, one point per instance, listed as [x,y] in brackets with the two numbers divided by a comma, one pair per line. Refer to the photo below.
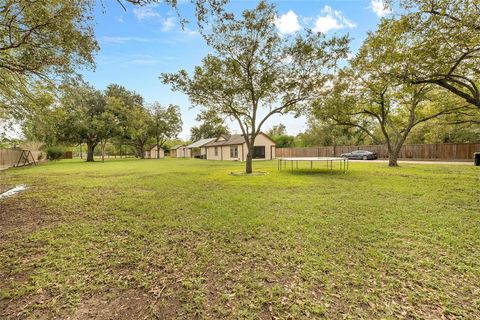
[234,152]
[216,151]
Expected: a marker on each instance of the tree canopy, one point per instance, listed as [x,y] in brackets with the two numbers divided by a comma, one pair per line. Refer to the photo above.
[166,124]
[433,42]
[42,41]
[89,118]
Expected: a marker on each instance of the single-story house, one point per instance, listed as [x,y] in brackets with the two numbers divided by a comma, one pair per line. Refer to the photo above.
[234,148]
[179,151]
[152,153]
[197,149]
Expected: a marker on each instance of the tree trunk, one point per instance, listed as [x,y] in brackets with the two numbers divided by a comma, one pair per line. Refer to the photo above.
[394,153]
[103,152]
[140,150]
[393,159]
[90,149]
[249,164]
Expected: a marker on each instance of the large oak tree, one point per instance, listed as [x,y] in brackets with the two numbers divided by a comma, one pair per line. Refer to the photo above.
[90,119]
[385,110]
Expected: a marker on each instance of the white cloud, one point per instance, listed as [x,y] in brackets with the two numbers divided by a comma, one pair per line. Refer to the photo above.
[146,12]
[332,20]
[120,40]
[168,24]
[327,23]
[379,7]
[149,13]
[288,23]
[190,32]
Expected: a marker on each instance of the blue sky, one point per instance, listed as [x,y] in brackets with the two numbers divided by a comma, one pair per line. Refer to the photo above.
[142,42]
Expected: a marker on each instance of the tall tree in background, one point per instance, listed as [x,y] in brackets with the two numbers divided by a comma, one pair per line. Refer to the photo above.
[125,101]
[434,42]
[41,40]
[139,129]
[278,133]
[166,124]
[212,126]
[324,132]
[451,129]
[277,130]
[255,73]
[89,119]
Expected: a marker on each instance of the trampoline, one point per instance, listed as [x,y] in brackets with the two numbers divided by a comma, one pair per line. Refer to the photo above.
[342,162]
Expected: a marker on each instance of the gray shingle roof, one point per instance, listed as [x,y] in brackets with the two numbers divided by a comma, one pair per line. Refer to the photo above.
[200,143]
[232,140]
[176,147]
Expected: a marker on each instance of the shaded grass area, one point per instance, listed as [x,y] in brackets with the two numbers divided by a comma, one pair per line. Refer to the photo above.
[176,238]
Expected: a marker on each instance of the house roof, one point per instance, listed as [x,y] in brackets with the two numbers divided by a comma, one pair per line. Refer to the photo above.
[176,147]
[234,139]
[231,140]
[200,143]
[153,147]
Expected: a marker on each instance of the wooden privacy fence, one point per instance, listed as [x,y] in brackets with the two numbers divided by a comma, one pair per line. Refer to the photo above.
[10,157]
[438,151]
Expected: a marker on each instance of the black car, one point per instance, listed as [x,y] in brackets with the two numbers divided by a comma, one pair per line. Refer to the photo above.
[360,155]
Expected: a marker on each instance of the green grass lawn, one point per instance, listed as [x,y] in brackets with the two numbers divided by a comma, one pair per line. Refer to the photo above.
[173,239]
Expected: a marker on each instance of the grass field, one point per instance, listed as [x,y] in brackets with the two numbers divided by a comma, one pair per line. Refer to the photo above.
[169,239]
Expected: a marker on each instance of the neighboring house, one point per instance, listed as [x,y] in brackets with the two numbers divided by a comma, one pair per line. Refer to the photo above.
[152,153]
[179,152]
[234,148]
[197,149]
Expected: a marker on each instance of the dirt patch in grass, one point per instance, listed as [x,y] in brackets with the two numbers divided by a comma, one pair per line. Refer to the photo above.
[20,308]
[127,304]
[253,174]
[119,304]
[4,188]
[20,216]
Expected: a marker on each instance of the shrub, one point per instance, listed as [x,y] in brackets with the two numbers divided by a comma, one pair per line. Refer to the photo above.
[54,153]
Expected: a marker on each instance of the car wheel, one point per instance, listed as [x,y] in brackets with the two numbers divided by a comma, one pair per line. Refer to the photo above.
[365,158]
